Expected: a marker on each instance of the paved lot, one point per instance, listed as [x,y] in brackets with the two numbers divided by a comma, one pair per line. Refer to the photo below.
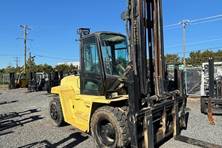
[25,122]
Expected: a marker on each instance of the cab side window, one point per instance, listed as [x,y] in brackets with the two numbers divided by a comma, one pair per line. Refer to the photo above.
[91,57]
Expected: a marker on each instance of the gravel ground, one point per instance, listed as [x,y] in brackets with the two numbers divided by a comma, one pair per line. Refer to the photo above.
[25,122]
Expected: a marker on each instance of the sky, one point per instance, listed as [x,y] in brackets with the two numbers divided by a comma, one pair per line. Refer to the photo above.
[53,23]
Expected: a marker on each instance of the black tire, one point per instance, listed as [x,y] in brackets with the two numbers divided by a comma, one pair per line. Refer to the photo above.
[202,105]
[55,111]
[109,127]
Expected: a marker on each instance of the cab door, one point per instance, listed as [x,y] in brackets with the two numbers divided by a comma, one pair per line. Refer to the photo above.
[91,68]
[91,82]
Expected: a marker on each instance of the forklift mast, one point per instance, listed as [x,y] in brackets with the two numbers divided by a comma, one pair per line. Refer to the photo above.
[147,79]
[146,44]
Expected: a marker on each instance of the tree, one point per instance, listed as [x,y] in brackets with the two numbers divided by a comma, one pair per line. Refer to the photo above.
[62,67]
[196,58]
[43,68]
[172,59]
[218,55]
[47,68]
[206,54]
[73,69]
[30,65]
[10,69]
[2,70]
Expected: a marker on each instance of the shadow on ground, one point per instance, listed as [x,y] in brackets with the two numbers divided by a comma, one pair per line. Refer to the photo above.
[14,119]
[197,142]
[6,133]
[8,102]
[75,139]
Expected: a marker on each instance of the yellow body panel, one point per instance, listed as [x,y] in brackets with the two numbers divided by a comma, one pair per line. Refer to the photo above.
[77,109]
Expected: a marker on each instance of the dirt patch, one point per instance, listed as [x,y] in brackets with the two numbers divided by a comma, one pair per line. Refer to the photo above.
[193,99]
[3,87]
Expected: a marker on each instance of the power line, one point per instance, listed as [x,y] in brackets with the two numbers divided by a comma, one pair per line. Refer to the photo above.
[8,55]
[52,57]
[196,21]
[207,18]
[207,21]
[172,25]
[203,49]
[207,48]
[196,43]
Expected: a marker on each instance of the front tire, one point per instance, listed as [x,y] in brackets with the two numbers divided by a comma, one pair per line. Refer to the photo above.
[55,110]
[109,127]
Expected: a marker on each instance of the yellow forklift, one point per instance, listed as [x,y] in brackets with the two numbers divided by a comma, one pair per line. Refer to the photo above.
[121,96]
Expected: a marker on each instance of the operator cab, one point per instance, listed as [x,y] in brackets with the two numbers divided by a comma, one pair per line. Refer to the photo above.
[104,58]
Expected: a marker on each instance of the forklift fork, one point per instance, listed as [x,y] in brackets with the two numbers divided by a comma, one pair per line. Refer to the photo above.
[211,91]
[210,112]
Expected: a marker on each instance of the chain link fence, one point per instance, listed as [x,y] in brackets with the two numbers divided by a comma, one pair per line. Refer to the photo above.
[4,78]
[193,81]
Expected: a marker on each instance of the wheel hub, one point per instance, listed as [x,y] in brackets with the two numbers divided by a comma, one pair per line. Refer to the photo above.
[53,112]
[107,133]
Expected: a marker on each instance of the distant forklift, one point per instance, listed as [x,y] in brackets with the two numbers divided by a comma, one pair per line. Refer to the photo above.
[44,81]
[17,80]
[54,79]
[211,87]
[37,81]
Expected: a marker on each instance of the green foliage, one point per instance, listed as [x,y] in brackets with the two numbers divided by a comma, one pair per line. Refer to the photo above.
[172,59]
[66,68]
[62,67]
[43,68]
[196,58]
[11,69]
[32,67]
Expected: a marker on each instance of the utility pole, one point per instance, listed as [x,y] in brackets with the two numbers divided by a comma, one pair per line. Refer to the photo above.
[25,29]
[30,61]
[184,24]
[16,61]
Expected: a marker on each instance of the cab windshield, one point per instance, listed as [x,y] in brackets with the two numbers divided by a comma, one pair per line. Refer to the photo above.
[114,53]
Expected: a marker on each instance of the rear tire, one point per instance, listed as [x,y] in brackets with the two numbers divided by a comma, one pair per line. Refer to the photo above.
[55,111]
[109,127]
